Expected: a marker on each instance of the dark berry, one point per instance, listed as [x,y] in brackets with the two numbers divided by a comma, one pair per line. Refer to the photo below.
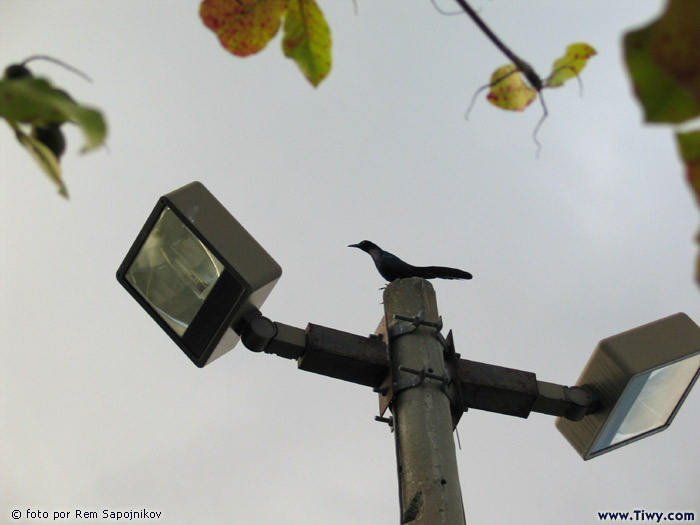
[51,136]
[16,71]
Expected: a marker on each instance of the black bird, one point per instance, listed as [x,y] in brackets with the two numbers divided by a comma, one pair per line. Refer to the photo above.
[392,268]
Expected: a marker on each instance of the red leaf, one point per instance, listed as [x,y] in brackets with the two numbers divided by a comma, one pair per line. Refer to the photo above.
[244,27]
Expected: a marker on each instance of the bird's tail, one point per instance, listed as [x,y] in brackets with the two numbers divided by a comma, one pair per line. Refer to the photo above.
[442,272]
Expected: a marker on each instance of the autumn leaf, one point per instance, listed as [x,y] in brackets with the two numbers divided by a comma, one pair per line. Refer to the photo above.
[307,39]
[663,60]
[570,65]
[244,27]
[508,91]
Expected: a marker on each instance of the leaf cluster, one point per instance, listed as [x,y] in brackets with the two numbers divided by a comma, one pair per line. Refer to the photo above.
[510,90]
[36,111]
[515,85]
[245,27]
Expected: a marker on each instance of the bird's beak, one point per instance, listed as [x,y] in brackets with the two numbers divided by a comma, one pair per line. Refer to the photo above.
[353,245]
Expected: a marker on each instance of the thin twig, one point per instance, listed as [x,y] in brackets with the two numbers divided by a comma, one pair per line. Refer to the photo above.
[539,123]
[442,12]
[60,63]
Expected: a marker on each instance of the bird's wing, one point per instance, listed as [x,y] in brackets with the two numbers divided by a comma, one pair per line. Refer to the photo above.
[391,267]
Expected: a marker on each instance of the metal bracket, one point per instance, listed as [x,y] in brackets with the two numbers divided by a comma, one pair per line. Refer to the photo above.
[446,379]
[413,382]
[569,402]
[388,420]
[421,374]
[416,321]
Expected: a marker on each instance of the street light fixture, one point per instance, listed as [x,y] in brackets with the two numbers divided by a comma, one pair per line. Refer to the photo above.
[641,377]
[203,278]
[197,272]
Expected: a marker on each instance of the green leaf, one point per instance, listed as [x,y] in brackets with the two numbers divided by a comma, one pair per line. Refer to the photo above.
[508,91]
[663,60]
[570,65]
[689,148]
[43,156]
[307,39]
[34,101]
[93,125]
[30,100]
[244,27]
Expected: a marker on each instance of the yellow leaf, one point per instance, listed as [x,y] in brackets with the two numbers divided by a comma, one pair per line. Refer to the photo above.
[570,64]
[43,156]
[307,39]
[508,91]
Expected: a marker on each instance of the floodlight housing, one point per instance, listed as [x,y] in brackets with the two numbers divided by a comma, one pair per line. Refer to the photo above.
[641,378]
[197,272]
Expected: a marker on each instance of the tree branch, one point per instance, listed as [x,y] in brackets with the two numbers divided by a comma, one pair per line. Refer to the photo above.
[519,63]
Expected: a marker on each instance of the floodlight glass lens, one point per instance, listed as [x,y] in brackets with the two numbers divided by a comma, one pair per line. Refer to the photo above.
[174,271]
[648,401]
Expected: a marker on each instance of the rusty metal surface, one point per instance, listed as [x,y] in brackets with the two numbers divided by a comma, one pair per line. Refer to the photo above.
[345,356]
[452,360]
[496,388]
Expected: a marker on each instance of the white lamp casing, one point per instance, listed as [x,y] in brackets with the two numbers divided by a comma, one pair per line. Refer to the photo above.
[641,376]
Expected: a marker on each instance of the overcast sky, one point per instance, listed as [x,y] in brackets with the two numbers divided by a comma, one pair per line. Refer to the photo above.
[100,410]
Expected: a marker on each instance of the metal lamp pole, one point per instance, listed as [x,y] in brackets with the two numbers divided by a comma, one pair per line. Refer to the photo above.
[427,464]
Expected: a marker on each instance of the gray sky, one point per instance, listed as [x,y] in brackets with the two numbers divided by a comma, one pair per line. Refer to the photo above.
[100,410]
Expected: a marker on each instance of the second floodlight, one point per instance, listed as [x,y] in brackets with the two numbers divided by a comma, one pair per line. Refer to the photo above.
[641,377]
